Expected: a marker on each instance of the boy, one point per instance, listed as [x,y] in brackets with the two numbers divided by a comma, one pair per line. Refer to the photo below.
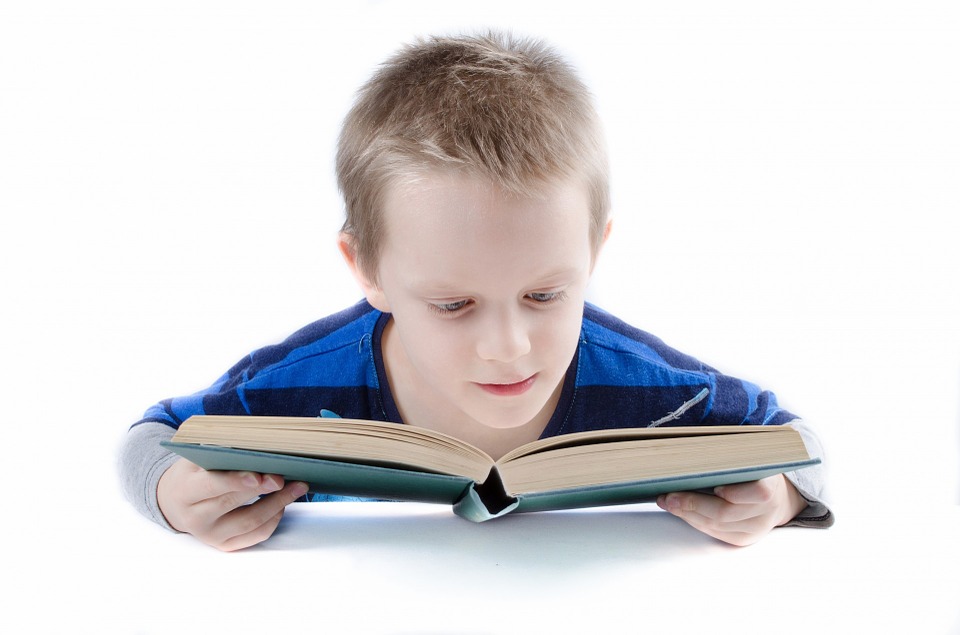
[474,178]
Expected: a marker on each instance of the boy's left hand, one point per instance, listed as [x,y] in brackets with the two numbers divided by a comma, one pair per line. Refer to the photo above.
[739,514]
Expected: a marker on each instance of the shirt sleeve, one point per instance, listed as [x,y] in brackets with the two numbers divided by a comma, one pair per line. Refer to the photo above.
[142,462]
[811,483]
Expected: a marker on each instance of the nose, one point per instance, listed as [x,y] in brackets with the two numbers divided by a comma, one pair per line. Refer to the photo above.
[503,337]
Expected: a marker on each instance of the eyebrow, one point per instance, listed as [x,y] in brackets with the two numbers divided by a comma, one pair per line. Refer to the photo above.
[441,286]
[558,274]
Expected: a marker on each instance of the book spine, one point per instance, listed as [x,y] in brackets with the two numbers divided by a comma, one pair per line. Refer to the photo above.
[485,501]
[474,508]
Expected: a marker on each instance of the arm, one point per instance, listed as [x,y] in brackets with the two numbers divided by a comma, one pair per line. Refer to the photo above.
[209,505]
[142,462]
[738,514]
[214,506]
[337,376]
[811,483]
[742,514]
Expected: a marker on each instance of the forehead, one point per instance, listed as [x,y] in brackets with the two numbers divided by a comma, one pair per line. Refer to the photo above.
[451,227]
[446,199]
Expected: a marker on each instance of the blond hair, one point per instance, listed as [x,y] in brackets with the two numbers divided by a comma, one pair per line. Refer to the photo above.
[507,110]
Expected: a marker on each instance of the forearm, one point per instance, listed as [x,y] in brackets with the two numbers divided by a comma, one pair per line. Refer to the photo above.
[142,462]
[811,483]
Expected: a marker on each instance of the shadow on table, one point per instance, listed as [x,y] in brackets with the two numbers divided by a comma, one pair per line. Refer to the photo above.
[559,538]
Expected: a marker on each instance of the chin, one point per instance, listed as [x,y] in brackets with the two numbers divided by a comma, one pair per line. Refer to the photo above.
[508,418]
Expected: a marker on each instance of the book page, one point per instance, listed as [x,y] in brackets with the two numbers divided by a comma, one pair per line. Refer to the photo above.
[626,434]
[350,440]
[654,457]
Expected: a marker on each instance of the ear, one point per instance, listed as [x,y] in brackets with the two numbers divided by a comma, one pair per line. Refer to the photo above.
[606,232]
[603,241]
[371,289]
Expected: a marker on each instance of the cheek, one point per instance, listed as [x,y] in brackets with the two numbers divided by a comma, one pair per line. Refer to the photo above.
[436,347]
[557,337]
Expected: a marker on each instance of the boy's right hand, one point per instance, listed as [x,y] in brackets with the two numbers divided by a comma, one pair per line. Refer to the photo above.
[213,505]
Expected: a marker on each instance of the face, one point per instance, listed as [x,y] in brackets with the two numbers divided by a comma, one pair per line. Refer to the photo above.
[486,291]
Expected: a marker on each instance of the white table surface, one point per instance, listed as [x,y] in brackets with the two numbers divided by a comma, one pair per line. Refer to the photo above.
[410,568]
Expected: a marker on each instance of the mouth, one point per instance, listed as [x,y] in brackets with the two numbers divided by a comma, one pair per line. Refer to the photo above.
[511,389]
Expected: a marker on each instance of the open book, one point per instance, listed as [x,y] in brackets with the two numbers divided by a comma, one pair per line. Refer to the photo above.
[401,462]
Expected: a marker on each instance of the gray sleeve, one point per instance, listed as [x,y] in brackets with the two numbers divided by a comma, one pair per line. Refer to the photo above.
[811,483]
[142,462]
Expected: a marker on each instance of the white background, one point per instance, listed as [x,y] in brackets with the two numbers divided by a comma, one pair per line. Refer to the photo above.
[785,192]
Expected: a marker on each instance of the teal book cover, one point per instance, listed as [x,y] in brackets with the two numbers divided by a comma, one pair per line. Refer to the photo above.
[472,500]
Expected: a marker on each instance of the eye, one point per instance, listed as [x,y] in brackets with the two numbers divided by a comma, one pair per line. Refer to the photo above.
[446,308]
[547,297]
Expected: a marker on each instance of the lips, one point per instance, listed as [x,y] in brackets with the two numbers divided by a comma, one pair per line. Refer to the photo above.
[511,389]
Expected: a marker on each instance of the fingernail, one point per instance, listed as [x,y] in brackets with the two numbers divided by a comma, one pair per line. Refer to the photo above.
[300,489]
[249,480]
[270,484]
[671,504]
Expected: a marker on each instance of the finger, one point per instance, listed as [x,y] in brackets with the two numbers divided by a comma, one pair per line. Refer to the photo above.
[215,484]
[253,537]
[720,519]
[740,533]
[717,510]
[237,489]
[753,523]
[254,523]
[754,492]
[735,538]
[208,496]
[738,525]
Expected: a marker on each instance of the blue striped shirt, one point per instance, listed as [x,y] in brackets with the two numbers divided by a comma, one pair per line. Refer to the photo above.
[619,377]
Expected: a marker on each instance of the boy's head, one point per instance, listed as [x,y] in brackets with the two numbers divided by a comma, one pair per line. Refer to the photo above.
[493,108]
